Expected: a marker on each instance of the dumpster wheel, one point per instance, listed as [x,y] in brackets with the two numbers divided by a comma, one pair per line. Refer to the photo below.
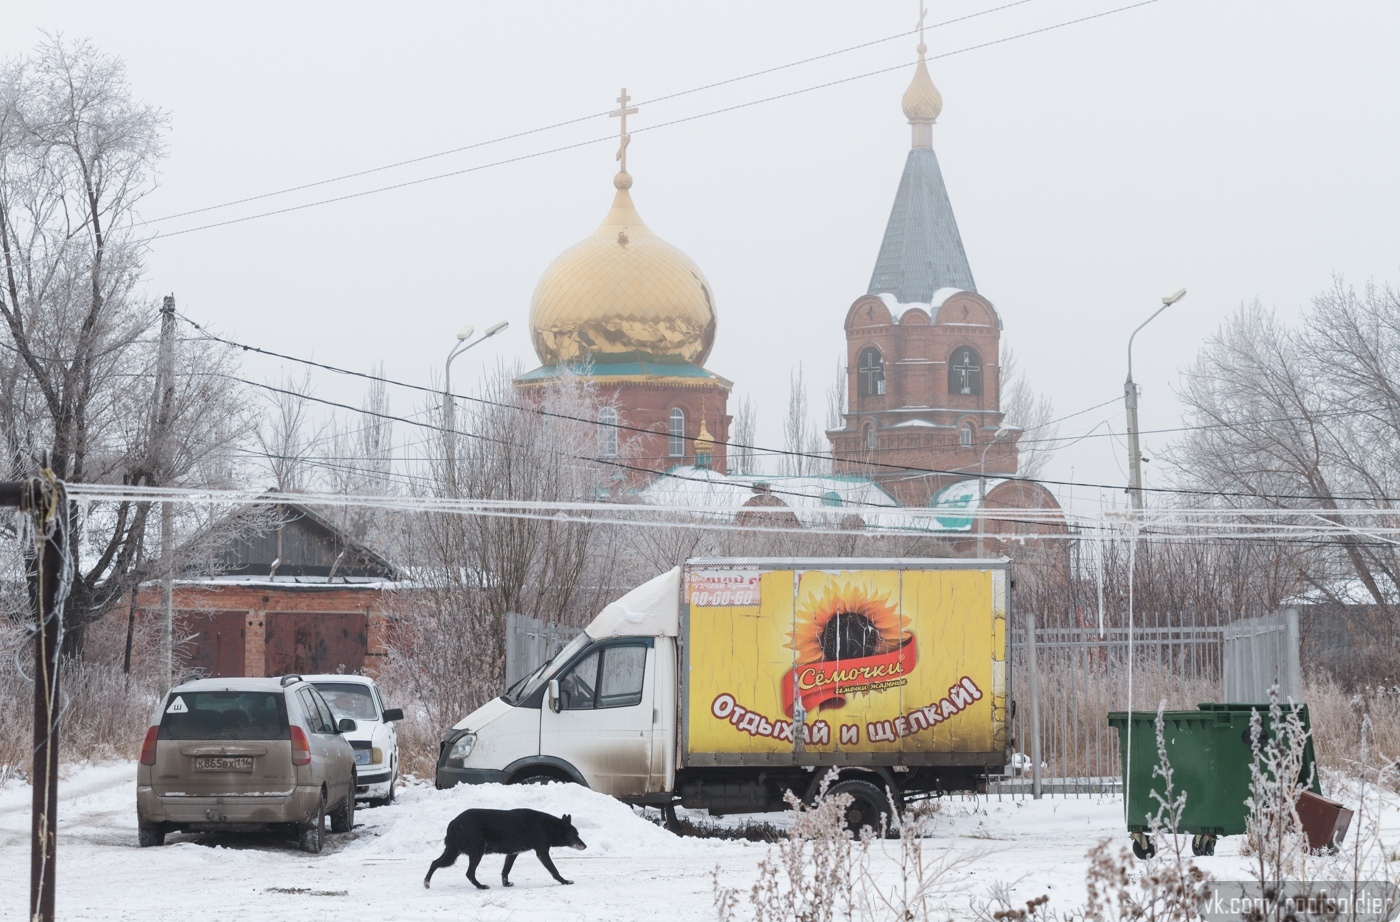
[1143,846]
[1203,844]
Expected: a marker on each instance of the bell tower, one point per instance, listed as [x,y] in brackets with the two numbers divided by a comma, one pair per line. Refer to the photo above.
[922,346]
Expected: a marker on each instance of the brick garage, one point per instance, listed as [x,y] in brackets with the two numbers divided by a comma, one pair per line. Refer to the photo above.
[297,596]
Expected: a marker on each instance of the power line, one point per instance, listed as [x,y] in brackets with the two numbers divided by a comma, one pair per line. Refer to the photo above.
[668,124]
[573,121]
[901,469]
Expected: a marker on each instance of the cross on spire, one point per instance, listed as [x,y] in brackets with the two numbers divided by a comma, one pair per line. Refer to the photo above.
[626,138]
[922,13]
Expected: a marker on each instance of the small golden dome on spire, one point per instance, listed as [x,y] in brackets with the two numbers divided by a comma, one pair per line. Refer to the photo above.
[922,101]
[704,442]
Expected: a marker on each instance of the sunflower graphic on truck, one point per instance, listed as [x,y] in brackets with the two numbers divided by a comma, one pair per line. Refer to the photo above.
[889,660]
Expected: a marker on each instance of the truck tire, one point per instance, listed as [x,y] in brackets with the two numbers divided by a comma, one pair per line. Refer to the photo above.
[870,806]
[540,778]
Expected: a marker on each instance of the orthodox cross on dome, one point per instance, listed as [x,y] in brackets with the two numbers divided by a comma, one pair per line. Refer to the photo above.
[626,138]
[922,13]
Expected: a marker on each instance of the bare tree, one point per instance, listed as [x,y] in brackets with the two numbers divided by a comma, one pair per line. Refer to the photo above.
[1030,410]
[744,431]
[475,569]
[77,155]
[799,433]
[836,397]
[1306,419]
[290,435]
[362,464]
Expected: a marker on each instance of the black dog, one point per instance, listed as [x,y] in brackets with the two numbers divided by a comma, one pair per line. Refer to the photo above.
[505,832]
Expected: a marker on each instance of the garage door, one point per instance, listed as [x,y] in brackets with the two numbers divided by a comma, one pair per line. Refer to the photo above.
[212,641]
[308,642]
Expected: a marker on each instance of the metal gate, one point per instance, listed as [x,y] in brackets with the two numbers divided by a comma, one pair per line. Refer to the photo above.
[316,642]
[1260,653]
[1083,673]
[211,643]
[530,642]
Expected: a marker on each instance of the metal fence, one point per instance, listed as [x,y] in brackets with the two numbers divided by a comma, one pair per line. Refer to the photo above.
[530,642]
[1260,653]
[1081,674]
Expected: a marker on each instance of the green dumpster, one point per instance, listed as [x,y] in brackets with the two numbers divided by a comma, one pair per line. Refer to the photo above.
[1210,753]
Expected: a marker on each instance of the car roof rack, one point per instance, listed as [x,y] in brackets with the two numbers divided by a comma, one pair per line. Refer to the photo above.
[291,678]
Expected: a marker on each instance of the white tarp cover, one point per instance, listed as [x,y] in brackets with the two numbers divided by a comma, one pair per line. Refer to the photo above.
[650,610]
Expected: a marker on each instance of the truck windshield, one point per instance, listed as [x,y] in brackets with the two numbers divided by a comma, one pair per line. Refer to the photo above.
[543,674]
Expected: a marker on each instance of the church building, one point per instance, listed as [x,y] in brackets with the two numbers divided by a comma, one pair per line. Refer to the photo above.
[636,316]
[923,346]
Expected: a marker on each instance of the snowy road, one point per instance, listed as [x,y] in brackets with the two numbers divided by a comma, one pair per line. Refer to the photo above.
[632,870]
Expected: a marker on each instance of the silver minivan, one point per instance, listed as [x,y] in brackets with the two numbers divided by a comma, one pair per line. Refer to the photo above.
[245,754]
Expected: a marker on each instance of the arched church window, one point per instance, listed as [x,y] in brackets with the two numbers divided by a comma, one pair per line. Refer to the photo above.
[869,437]
[965,435]
[677,441]
[965,372]
[607,432]
[871,372]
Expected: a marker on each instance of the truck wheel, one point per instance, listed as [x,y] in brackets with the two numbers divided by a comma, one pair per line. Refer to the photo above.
[540,778]
[313,834]
[869,805]
[149,835]
[1203,845]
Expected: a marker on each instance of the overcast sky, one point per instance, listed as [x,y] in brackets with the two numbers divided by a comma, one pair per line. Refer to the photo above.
[1240,149]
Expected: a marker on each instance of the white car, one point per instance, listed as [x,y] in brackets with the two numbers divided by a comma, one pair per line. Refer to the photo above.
[375,740]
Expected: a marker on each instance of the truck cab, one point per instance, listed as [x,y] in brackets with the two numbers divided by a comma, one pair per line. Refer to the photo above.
[601,713]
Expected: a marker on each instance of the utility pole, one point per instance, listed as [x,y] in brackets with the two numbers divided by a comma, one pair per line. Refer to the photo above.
[1130,404]
[45,501]
[165,397]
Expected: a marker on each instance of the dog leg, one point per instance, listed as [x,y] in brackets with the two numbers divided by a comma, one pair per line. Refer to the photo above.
[471,871]
[446,859]
[543,855]
[505,871]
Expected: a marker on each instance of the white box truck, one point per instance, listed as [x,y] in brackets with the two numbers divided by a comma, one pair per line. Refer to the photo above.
[725,683]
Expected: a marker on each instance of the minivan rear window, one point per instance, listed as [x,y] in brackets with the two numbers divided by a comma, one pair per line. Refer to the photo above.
[224,715]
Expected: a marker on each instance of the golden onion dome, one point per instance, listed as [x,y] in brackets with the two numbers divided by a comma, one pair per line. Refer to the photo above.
[622,289]
[922,101]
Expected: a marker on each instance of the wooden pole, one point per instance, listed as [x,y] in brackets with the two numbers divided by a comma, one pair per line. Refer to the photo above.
[45,499]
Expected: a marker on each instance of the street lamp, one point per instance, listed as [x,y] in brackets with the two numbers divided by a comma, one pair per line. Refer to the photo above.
[982,486]
[448,424]
[1130,401]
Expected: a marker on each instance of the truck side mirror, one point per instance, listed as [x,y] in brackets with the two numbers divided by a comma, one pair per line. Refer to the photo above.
[554,695]
[393,714]
[346,725]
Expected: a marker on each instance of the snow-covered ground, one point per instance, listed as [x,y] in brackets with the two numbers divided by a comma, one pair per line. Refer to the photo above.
[632,870]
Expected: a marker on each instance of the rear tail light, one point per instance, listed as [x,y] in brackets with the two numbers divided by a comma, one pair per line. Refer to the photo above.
[148,748]
[301,747]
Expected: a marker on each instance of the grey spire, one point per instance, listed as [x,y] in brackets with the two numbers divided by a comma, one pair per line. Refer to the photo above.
[922,250]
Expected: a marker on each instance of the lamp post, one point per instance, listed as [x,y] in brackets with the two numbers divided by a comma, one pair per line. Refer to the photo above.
[448,424]
[1130,401]
[982,486]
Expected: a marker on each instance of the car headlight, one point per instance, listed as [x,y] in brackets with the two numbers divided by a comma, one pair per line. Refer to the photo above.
[376,755]
[461,749]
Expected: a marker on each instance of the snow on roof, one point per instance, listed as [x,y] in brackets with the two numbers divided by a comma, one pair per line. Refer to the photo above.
[815,500]
[897,307]
[650,610]
[812,499]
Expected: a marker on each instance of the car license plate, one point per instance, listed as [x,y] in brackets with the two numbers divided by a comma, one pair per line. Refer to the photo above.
[361,756]
[224,764]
